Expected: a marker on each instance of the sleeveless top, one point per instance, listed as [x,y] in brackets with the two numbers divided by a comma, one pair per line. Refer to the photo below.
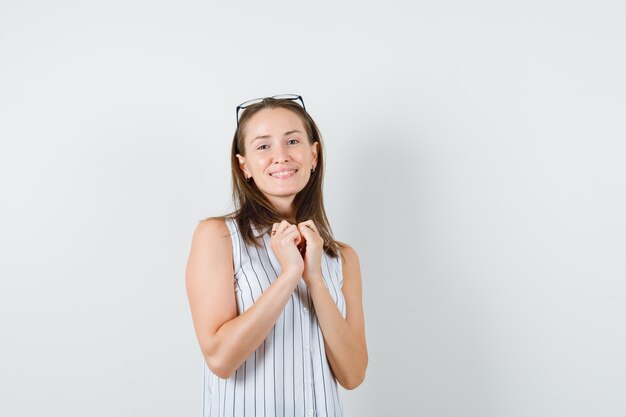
[288,375]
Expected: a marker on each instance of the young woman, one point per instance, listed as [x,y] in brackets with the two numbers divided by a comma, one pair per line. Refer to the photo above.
[275,299]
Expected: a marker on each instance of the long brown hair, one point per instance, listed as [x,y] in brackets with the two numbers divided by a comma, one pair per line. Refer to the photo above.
[252,208]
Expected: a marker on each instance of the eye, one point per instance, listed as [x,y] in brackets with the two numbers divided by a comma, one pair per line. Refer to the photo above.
[262,147]
[293,141]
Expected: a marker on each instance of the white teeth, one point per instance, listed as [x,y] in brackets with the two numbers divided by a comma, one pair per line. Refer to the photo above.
[282,174]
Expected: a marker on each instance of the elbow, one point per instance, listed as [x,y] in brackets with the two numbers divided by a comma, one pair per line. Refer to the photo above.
[217,362]
[218,367]
[353,382]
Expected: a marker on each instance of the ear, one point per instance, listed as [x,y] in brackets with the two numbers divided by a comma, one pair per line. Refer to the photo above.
[314,150]
[243,167]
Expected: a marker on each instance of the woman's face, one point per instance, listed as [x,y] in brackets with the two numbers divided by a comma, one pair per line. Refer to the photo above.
[278,155]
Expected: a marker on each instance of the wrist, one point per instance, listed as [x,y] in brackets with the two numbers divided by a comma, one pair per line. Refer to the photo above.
[292,273]
[316,282]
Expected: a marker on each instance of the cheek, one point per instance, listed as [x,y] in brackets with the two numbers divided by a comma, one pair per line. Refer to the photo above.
[306,157]
[260,163]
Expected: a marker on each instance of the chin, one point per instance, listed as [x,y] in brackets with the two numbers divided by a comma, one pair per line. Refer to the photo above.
[283,192]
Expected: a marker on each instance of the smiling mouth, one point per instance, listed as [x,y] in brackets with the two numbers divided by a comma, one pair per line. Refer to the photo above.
[284,174]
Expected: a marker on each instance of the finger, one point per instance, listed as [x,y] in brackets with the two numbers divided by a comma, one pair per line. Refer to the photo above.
[274,228]
[287,230]
[309,234]
[292,234]
[309,224]
[281,227]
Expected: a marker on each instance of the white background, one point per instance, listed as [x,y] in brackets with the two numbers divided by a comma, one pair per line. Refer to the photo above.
[475,160]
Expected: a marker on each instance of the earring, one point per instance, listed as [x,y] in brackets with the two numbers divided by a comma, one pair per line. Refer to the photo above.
[312,170]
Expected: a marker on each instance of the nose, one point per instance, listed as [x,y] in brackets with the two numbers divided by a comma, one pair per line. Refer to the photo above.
[281,154]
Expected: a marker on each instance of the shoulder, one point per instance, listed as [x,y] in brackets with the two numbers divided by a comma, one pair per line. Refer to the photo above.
[212,230]
[348,254]
[211,249]
[351,273]
[212,224]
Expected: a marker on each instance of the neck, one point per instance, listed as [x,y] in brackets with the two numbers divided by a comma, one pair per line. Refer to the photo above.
[285,208]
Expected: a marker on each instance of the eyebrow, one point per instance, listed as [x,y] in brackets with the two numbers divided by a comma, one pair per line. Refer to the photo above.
[269,136]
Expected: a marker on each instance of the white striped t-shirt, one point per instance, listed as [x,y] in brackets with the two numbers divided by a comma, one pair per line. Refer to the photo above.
[288,375]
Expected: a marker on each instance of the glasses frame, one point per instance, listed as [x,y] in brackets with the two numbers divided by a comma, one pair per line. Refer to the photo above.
[248,103]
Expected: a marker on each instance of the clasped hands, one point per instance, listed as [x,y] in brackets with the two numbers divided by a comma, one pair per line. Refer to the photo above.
[298,249]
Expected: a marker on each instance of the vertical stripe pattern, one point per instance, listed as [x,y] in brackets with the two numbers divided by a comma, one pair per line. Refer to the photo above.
[289,374]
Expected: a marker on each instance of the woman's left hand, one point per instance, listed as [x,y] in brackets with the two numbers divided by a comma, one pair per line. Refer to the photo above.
[314,245]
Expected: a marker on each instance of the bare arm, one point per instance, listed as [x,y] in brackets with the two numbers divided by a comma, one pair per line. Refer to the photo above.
[226,339]
[344,339]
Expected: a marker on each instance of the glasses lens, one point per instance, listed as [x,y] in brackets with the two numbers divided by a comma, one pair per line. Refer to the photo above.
[286,97]
[250,103]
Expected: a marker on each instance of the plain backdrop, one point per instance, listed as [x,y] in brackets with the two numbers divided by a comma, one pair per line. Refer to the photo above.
[475,161]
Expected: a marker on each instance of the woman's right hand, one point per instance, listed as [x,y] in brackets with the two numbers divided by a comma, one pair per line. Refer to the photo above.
[284,241]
